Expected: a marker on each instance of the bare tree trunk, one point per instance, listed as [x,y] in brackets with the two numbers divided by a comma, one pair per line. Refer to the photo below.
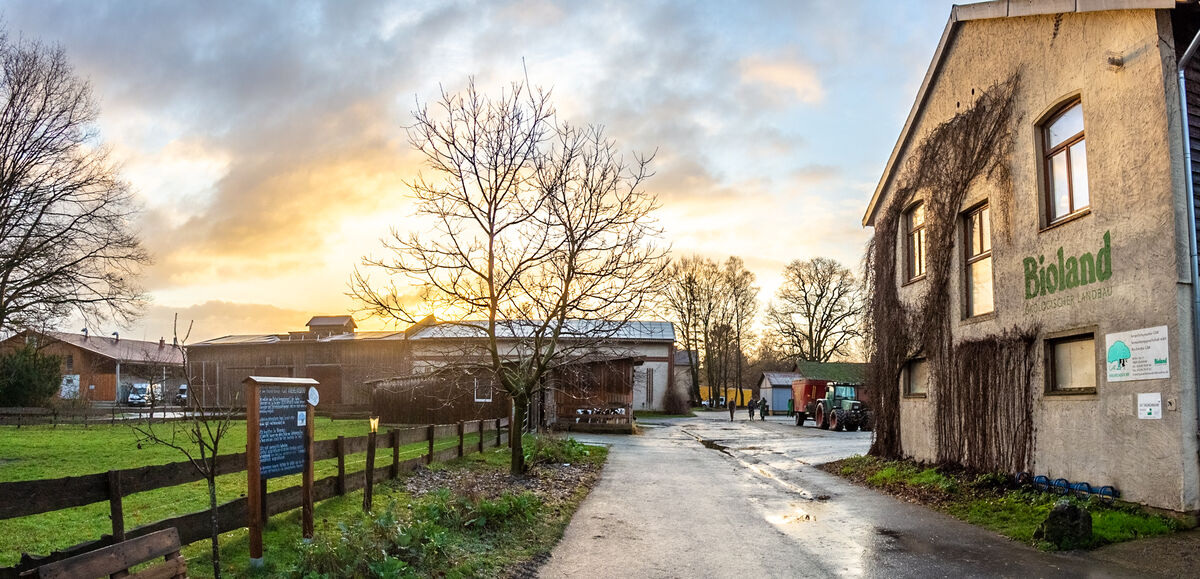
[515,431]
[216,526]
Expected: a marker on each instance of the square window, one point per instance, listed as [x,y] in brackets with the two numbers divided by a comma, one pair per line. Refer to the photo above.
[483,390]
[914,246]
[979,290]
[1071,363]
[1065,163]
[916,378]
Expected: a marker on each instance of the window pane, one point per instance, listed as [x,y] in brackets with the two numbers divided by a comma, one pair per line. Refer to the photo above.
[1059,190]
[1066,126]
[917,217]
[918,377]
[980,282]
[973,234]
[985,220]
[1075,364]
[919,252]
[1079,180]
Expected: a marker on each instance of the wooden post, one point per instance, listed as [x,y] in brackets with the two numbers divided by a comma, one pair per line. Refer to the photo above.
[341,456]
[116,510]
[498,440]
[461,429]
[481,436]
[370,486]
[395,453]
[253,476]
[429,434]
[306,490]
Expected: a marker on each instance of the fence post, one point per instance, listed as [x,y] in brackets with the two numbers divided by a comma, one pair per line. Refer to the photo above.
[341,456]
[395,453]
[481,436]
[429,434]
[370,486]
[498,442]
[461,429]
[116,510]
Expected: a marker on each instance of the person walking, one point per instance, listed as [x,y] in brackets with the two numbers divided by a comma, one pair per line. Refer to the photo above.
[763,408]
[751,406]
[732,407]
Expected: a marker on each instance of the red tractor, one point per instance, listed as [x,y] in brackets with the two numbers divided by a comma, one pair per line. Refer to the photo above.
[831,405]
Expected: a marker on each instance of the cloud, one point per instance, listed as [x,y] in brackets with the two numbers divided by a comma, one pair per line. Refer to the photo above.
[796,77]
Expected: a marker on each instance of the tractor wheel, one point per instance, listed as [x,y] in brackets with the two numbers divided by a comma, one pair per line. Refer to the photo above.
[837,419]
[821,418]
[800,417]
[851,426]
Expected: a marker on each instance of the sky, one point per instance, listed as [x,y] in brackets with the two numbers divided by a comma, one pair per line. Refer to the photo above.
[266,141]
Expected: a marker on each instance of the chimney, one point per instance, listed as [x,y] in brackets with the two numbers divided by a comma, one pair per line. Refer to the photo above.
[162,342]
[116,337]
[84,333]
[175,342]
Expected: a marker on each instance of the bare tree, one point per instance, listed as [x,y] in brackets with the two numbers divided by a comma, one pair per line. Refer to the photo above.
[537,225]
[66,243]
[198,437]
[743,303]
[817,310]
[681,294]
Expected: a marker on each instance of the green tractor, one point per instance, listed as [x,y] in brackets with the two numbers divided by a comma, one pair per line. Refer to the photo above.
[839,409]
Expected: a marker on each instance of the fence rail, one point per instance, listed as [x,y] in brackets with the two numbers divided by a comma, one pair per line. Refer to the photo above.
[25,498]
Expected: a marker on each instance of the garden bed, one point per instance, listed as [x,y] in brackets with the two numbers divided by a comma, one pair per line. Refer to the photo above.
[995,501]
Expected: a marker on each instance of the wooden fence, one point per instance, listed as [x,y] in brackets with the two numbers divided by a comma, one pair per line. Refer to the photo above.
[25,498]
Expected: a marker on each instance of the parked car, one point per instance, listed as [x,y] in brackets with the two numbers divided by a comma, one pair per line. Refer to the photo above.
[139,395]
[720,403]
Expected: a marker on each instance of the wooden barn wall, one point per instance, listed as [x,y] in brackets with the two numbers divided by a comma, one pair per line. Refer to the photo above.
[436,400]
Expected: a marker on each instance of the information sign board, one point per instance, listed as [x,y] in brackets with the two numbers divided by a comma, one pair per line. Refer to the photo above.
[282,417]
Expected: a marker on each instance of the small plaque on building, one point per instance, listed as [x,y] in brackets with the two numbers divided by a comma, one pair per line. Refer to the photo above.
[1150,406]
[1137,355]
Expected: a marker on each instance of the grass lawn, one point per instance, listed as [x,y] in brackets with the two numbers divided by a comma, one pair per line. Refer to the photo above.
[993,501]
[449,545]
[42,452]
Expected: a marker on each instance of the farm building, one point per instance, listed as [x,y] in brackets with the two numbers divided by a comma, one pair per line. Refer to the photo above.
[1034,255]
[104,368]
[776,387]
[331,351]
[607,368]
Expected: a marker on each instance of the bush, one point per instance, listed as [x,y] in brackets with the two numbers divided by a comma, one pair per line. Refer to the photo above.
[380,546]
[674,402]
[548,449]
[29,377]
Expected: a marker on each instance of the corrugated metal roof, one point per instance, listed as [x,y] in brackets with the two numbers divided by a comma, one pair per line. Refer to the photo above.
[247,339]
[240,339]
[848,372]
[781,378]
[331,321]
[123,350]
[638,330]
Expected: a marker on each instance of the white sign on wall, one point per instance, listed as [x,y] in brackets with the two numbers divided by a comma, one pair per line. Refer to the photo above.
[1137,355]
[1150,406]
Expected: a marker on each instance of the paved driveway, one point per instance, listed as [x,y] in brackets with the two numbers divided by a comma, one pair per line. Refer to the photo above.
[703,497]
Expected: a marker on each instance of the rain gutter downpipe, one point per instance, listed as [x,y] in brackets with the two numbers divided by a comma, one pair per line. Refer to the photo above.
[1189,187]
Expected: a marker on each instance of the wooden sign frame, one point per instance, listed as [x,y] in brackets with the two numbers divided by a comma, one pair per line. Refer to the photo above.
[256,506]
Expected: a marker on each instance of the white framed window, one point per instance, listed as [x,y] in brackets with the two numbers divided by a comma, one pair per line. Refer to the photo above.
[978,270]
[483,390]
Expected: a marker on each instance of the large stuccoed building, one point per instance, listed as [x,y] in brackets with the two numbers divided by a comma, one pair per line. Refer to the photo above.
[1034,255]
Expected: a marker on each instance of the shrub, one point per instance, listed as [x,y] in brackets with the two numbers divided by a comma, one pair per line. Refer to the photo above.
[548,449]
[380,546]
[29,377]
[674,402]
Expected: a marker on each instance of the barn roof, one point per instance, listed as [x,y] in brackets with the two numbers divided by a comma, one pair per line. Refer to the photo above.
[781,378]
[121,350]
[636,330]
[331,321]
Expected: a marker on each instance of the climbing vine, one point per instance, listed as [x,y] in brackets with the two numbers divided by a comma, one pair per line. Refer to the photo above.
[980,389]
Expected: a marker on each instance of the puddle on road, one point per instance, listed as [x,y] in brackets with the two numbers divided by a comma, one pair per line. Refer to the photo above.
[710,444]
[797,515]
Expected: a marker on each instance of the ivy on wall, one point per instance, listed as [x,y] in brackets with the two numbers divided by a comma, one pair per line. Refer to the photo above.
[980,389]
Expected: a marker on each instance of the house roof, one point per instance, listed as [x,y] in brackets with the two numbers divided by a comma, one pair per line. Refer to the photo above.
[849,372]
[681,357]
[247,339]
[984,11]
[121,350]
[636,330]
[331,321]
[781,378]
